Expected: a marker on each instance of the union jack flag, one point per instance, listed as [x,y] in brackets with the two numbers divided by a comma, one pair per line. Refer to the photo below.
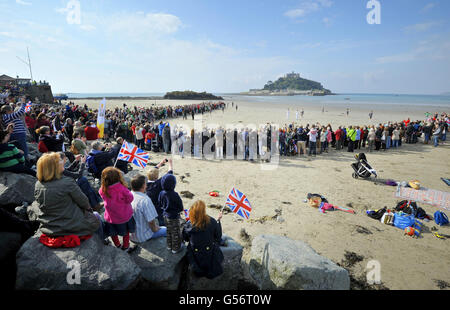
[28,107]
[238,203]
[132,154]
[186,215]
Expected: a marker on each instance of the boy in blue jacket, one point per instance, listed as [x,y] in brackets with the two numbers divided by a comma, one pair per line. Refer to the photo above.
[172,205]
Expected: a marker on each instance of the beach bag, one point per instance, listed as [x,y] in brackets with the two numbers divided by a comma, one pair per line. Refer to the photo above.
[440,218]
[403,220]
[402,206]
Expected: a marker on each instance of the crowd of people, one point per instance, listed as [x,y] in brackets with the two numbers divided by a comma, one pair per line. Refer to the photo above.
[149,207]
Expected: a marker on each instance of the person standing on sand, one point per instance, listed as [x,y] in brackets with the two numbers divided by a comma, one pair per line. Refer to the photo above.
[371,138]
[303,112]
[351,135]
[312,134]
[348,111]
[370,114]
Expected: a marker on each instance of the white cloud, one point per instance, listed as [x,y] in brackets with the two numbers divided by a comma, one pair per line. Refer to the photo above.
[429,6]
[87,27]
[308,7]
[7,34]
[141,24]
[421,27]
[436,48]
[21,2]
[327,21]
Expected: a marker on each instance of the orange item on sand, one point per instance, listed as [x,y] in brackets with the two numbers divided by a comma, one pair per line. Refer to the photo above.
[214,194]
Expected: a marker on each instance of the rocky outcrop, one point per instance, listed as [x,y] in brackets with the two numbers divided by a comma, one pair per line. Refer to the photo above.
[160,268]
[16,188]
[232,270]
[100,267]
[10,243]
[278,262]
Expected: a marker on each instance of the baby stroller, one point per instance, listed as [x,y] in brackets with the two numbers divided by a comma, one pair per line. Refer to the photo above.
[362,167]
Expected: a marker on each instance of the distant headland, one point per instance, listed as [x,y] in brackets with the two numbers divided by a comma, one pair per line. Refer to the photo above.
[191,95]
[290,85]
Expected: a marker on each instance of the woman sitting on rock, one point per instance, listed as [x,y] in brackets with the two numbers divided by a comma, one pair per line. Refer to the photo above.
[204,236]
[11,158]
[65,210]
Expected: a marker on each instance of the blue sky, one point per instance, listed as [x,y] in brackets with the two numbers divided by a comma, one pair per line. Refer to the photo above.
[228,46]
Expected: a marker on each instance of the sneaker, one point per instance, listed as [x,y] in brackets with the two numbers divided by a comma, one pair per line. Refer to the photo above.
[129,249]
[179,250]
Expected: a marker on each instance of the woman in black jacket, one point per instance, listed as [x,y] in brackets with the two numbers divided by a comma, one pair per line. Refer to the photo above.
[204,236]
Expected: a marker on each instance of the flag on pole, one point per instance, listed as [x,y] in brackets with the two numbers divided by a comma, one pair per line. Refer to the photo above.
[101,118]
[238,203]
[132,154]
[28,107]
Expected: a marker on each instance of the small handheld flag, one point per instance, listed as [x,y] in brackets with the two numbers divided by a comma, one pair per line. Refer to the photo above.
[186,215]
[132,154]
[28,107]
[238,203]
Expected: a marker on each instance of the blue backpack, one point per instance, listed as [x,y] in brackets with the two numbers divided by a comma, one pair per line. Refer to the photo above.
[440,218]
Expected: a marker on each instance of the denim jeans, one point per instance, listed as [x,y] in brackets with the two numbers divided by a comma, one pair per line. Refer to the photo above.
[99,231]
[312,147]
[162,232]
[388,142]
[395,143]
[436,141]
[86,188]
[21,142]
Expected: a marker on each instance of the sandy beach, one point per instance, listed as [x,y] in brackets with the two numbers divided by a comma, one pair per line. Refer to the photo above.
[406,263]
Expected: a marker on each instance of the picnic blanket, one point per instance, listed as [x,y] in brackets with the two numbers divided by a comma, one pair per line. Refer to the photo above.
[424,195]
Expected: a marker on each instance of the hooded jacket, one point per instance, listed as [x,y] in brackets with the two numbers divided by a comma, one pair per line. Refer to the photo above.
[118,209]
[169,200]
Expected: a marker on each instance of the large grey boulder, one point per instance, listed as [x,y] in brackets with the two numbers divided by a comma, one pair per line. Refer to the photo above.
[33,152]
[10,243]
[16,188]
[232,270]
[277,262]
[101,267]
[160,268]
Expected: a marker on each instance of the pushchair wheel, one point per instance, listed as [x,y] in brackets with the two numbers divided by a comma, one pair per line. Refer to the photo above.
[354,175]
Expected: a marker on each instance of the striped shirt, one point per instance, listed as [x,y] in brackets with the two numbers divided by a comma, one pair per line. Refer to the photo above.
[143,213]
[18,120]
[10,156]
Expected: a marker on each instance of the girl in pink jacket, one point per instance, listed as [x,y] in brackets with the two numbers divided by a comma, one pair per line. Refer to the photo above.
[118,210]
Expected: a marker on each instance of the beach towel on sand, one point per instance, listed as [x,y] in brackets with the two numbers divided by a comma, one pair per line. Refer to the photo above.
[424,195]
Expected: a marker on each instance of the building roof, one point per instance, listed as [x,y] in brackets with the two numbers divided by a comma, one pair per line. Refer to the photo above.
[5,77]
